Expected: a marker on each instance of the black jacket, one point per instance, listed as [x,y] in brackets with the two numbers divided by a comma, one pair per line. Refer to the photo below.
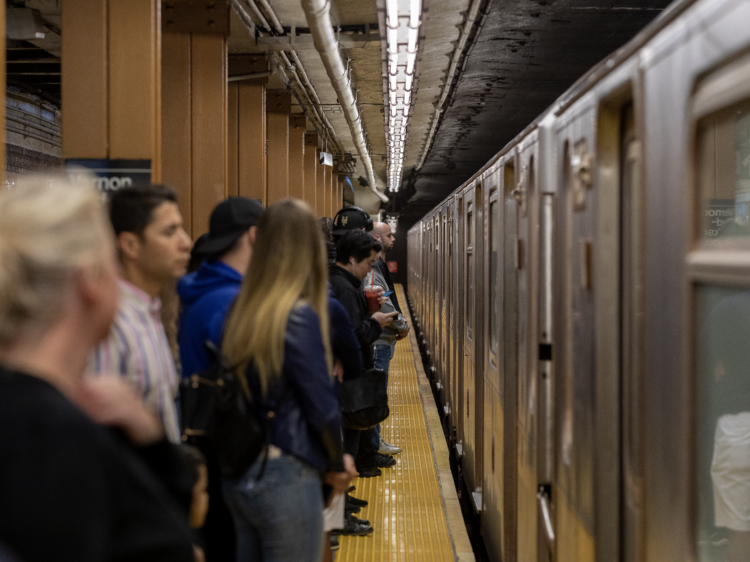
[71,491]
[349,293]
[383,267]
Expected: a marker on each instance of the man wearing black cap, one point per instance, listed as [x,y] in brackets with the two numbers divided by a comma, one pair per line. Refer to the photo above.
[350,218]
[207,293]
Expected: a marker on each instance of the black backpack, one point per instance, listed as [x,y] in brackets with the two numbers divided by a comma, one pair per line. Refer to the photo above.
[218,418]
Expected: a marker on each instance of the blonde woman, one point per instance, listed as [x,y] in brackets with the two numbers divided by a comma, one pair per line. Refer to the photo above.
[278,332]
[71,490]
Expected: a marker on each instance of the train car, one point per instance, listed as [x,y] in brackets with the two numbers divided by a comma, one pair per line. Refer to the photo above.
[583,304]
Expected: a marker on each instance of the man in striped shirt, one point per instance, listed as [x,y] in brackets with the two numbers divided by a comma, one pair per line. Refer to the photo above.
[154,250]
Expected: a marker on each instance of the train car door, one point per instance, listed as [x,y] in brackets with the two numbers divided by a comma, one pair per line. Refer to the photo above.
[574,482]
[493,514]
[471,337]
[459,397]
[525,195]
[509,382]
[444,300]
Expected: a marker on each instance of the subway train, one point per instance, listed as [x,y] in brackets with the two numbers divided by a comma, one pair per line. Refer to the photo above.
[583,303]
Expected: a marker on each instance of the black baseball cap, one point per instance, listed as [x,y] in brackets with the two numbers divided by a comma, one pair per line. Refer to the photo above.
[229,220]
[351,218]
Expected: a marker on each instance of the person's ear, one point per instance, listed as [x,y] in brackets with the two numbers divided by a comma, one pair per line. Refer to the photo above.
[252,232]
[129,245]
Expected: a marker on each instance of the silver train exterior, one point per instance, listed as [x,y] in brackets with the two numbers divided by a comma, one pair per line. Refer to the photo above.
[582,299]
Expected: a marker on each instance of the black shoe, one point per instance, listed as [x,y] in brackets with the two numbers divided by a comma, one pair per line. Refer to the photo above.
[357,520]
[349,508]
[350,489]
[335,542]
[355,529]
[369,472]
[356,501]
[384,461]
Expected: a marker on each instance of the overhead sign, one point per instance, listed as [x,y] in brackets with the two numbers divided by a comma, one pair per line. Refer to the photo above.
[110,175]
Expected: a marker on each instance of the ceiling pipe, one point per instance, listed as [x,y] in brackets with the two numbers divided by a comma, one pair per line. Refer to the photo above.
[319,22]
[453,69]
[303,84]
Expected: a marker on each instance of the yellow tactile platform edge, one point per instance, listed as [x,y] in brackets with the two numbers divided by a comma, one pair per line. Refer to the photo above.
[413,506]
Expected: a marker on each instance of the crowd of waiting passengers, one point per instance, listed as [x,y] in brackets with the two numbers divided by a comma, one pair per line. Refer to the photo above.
[97,457]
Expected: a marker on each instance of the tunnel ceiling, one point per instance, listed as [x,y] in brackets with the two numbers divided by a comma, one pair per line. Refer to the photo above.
[526,55]
[521,55]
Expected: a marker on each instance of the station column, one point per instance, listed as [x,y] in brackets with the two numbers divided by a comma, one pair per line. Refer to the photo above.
[111,81]
[279,108]
[194,106]
[297,126]
[311,164]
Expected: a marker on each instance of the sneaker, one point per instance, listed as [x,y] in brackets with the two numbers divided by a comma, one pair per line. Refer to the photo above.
[335,542]
[369,472]
[356,501]
[353,529]
[386,449]
[384,461]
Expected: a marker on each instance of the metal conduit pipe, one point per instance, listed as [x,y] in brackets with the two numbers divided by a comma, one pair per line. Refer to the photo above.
[471,18]
[307,88]
[319,22]
[272,15]
[313,101]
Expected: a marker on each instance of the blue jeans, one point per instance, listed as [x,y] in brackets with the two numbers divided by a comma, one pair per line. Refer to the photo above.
[383,356]
[280,517]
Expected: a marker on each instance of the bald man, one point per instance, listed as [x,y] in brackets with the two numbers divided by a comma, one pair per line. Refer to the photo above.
[396,330]
[382,231]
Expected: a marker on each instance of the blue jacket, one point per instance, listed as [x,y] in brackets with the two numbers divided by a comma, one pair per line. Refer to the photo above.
[307,423]
[206,295]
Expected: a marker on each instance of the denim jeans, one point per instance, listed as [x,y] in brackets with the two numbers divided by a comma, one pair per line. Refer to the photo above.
[383,356]
[280,517]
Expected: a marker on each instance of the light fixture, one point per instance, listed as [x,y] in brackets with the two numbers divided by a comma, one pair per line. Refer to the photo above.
[403,18]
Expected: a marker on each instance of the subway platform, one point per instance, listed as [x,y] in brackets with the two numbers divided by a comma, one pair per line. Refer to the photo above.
[413,506]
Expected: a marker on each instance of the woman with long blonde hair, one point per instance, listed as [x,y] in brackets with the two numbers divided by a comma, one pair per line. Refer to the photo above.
[277,332]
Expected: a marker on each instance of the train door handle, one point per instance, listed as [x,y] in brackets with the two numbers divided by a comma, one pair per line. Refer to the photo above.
[543,508]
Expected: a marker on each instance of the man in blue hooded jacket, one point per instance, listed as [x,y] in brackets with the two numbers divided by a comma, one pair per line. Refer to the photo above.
[207,293]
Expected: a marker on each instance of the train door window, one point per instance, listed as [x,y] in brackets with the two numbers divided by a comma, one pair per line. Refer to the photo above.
[719,269]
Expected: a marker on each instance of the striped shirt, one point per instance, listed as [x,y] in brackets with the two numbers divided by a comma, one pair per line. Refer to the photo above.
[137,348]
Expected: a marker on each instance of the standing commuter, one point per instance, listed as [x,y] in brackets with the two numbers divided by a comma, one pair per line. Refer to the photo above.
[154,250]
[278,334]
[206,295]
[356,252]
[72,490]
[382,231]
[397,329]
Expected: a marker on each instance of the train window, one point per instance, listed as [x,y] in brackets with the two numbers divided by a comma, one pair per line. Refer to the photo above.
[723,422]
[724,177]
[493,277]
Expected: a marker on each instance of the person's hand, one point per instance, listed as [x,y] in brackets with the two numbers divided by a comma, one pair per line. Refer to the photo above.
[403,333]
[110,401]
[338,370]
[339,481]
[198,553]
[384,318]
[382,300]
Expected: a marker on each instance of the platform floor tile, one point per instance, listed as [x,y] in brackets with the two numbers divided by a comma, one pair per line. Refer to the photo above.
[406,505]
